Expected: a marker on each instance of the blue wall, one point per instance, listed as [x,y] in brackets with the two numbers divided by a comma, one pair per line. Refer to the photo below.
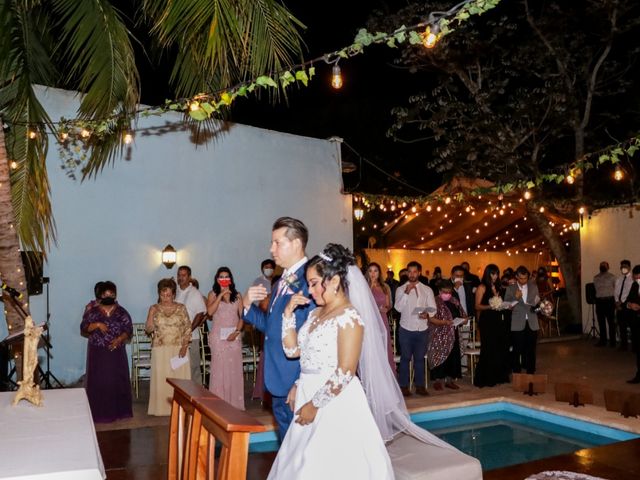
[214,203]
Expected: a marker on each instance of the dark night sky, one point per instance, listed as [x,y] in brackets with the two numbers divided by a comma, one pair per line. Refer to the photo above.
[359,112]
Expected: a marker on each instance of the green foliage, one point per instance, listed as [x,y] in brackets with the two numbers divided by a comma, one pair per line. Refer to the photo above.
[500,105]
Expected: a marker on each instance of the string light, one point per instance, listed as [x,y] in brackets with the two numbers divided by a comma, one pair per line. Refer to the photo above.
[431,36]
[13,165]
[570,179]
[32,134]
[84,133]
[128,138]
[194,106]
[336,77]
[618,174]
[358,213]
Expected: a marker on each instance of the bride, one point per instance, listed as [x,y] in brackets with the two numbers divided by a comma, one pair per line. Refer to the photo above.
[334,434]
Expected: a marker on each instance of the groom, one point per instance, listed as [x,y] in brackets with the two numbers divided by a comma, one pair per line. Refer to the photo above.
[288,241]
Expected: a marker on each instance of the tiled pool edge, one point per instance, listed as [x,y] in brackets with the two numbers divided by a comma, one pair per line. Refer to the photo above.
[559,416]
[526,411]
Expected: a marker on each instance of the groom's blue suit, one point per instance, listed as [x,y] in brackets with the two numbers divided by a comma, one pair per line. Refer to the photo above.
[280,372]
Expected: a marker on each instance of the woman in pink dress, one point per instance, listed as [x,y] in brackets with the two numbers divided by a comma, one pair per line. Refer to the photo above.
[382,296]
[224,306]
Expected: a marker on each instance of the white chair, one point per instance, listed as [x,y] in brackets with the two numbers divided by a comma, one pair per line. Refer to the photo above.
[140,354]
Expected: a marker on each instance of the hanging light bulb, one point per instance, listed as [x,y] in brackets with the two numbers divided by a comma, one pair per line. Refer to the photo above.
[127,138]
[431,36]
[527,195]
[336,77]
[13,165]
[32,134]
[358,213]
[570,179]
[618,174]
[194,106]
[84,133]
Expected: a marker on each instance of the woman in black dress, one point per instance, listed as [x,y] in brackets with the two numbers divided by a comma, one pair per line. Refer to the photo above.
[493,365]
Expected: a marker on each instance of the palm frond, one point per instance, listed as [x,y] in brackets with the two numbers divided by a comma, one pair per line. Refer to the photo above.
[25,61]
[96,47]
[227,40]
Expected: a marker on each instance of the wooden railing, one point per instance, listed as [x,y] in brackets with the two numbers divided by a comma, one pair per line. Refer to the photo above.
[198,420]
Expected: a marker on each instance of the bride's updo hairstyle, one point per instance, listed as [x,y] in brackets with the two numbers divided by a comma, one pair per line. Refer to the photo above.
[333,260]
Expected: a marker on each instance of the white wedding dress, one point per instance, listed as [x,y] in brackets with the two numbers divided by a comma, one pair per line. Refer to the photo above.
[343,441]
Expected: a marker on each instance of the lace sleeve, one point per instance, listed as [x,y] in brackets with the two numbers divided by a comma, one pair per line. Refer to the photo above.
[336,383]
[290,336]
[340,378]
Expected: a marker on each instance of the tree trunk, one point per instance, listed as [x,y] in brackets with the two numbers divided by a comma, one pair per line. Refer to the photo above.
[569,264]
[11,267]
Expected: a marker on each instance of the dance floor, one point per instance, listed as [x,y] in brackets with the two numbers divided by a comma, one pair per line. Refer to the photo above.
[136,449]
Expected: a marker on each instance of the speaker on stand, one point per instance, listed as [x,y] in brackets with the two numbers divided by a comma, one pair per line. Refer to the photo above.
[590,296]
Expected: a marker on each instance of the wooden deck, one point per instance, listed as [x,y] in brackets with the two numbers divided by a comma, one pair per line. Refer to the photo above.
[139,449]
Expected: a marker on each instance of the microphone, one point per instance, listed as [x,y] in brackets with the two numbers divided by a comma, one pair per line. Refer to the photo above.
[11,291]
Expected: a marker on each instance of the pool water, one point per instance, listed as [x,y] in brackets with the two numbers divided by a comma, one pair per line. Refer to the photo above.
[500,434]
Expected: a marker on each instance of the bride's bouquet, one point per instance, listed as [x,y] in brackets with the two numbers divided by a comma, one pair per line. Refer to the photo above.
[495,303]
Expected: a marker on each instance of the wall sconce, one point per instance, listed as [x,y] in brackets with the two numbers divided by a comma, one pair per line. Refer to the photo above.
[575,226]
[169,256]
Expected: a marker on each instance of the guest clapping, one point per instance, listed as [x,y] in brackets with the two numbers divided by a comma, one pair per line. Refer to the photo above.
[170,326]
[108,327]
[224,306]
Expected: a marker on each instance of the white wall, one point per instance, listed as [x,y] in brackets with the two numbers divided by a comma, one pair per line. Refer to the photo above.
[610,234]
[214,203]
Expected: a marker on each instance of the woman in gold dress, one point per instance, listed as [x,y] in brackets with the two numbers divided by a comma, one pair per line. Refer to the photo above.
[169,325]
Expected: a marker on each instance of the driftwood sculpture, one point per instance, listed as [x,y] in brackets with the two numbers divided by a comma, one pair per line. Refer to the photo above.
[28,389]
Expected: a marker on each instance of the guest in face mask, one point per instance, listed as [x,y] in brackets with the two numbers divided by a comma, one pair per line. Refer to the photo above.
[224,306]
[108,327]
[267,268]
[444,344]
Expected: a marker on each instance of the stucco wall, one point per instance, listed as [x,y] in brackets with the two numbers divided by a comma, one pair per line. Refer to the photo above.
[610,234]
[214,203]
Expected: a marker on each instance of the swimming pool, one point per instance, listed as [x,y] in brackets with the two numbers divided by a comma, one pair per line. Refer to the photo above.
[500,434]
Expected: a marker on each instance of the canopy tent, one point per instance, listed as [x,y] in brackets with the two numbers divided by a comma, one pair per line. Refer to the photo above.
[456,218]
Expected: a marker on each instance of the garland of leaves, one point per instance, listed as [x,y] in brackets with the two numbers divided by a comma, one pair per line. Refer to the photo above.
[77,135]
[610,155]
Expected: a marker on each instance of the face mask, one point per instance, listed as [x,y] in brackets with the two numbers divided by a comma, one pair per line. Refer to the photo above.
[603,269]
[108,301]
[445,297]
[267,272]
[224,282]
[624,271]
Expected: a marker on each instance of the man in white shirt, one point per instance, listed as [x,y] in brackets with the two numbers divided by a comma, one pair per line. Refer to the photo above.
[191,298]
[414,301]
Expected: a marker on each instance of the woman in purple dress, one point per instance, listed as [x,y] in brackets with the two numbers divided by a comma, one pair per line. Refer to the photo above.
[382,296]
[224,305]
[108,327]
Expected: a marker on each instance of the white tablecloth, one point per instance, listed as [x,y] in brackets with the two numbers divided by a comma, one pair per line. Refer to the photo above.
[54,441]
